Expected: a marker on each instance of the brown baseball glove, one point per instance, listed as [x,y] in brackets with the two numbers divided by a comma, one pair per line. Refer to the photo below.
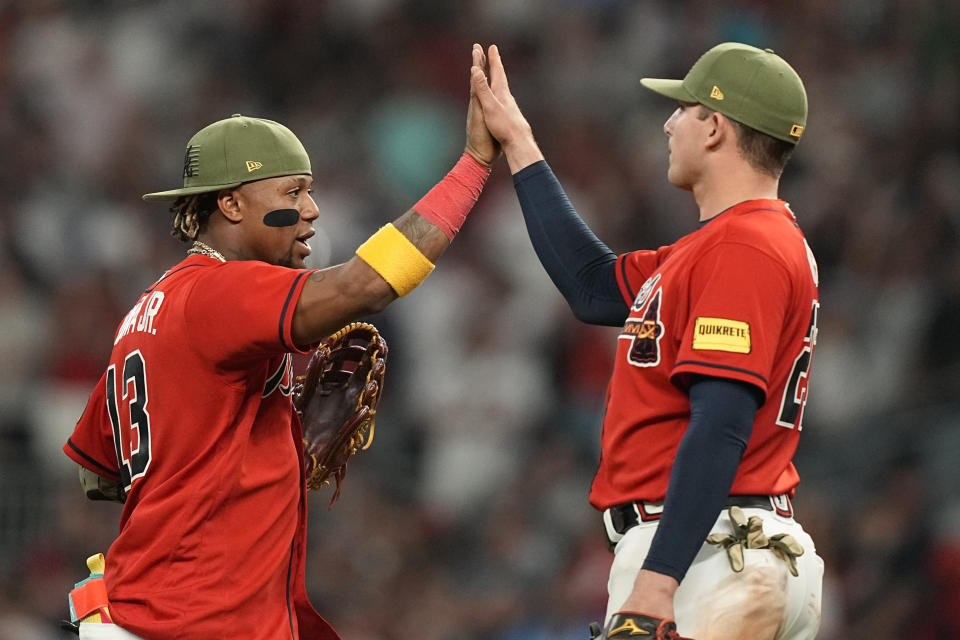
[337,400]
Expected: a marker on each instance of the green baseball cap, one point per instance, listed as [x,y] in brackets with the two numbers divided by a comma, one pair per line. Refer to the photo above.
[755,87]
[239,149]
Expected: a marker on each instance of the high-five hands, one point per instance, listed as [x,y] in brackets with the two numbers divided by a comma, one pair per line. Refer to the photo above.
[480,144]
[502,116]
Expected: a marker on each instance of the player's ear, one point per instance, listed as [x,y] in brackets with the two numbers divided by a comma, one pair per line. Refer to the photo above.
[229,206]
[718,129]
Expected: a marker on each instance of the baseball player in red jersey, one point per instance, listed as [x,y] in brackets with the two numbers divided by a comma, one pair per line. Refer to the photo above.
[704,405]
[192,422]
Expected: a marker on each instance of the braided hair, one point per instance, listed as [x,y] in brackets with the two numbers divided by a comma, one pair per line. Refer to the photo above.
[191,214]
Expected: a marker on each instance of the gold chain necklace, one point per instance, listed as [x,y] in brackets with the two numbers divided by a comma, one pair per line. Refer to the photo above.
[202,249]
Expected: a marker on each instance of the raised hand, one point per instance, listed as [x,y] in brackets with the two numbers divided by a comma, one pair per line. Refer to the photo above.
[480,144]
[501,114]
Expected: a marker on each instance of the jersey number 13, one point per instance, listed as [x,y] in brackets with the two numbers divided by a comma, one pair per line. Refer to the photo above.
[129,417]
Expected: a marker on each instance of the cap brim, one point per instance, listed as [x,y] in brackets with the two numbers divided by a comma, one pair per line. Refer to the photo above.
[670,88]
[173,194]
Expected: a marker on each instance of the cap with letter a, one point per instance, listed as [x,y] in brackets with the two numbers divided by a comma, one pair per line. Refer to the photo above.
[755,87]
[236,150]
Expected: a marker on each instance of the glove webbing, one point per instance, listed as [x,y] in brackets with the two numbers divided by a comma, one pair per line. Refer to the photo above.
[363,437]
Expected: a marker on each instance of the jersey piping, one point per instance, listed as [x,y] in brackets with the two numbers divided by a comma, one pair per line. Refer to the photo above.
[283,312]
[723,366]
[111,472]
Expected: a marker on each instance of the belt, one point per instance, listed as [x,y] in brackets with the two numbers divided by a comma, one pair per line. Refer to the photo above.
[620,518]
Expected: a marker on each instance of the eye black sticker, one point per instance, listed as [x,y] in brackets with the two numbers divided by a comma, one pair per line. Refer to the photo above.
[281,218]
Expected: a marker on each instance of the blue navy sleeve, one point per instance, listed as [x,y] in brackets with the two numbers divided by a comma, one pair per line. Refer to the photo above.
[582,268]
[721,421]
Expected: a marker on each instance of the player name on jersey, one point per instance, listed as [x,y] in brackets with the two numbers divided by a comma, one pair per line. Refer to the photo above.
[141,317]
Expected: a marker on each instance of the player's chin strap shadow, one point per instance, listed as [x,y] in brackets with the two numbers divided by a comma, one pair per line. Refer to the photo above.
[748,534]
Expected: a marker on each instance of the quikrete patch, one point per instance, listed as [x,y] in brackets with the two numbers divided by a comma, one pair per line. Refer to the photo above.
[720,334]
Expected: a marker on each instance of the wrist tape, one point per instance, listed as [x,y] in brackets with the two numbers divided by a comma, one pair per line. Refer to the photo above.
[446,205]
[396,259]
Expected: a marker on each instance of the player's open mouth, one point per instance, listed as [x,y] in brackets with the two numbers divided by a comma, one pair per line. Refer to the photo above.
[302,241]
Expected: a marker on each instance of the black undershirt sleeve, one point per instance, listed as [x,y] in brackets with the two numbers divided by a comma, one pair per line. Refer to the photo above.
[581,267]
[721,421]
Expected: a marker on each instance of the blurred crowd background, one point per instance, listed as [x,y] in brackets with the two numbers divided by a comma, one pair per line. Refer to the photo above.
[468,518]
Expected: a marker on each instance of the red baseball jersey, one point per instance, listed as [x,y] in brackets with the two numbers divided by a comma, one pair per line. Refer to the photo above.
[735,299]
[193,416]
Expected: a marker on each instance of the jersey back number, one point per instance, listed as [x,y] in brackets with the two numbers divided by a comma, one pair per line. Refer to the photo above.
[795,394]
[127,407]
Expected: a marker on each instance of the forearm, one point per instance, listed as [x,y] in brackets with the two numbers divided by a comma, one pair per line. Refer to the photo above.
[393,261]
[429,239]
[721,420]
[579,264]
[403,252]
[334,296]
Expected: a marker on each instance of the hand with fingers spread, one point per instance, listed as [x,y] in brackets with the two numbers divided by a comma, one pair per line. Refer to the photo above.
[501,114]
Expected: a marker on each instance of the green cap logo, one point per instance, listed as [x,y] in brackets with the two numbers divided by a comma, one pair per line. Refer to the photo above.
[753,86]
[239,149]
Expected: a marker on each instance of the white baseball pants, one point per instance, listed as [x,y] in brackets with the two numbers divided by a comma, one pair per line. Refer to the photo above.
[104,631]
[764,601]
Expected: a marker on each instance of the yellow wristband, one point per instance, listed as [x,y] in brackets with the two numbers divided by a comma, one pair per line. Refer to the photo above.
[396,259]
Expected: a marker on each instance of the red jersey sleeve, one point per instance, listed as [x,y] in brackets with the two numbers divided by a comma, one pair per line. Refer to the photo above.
[634,268]
[244,309]
[737,299]
[91,445]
